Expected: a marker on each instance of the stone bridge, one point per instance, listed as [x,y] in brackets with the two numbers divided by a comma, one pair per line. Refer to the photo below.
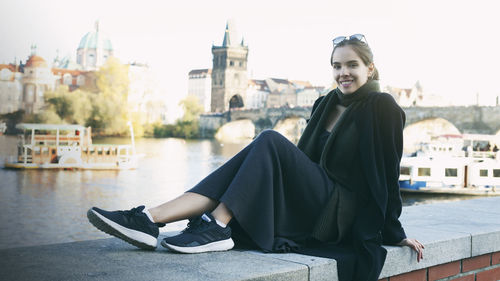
[467,119]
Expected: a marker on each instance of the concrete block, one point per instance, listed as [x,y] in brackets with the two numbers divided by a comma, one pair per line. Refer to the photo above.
[112,259]
[440,247]
[474,216]
[320,269]
[484,243]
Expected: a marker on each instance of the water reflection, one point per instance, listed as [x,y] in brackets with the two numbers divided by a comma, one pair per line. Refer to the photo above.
[49,206]
[410,199]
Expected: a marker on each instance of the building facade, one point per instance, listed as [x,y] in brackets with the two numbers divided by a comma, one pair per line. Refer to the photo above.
[229,73]
[257,94]
[10,89]
[282,92]
[144,95]
[74,79]
[307,96]
[36,80]
[200,86]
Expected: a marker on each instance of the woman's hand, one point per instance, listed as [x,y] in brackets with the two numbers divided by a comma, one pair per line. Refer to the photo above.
[415,245]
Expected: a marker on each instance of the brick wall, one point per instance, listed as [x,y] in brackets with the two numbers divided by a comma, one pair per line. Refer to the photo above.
[481,268]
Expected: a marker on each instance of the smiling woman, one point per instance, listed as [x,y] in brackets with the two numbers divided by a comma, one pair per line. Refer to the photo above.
[343,204]
[353,65]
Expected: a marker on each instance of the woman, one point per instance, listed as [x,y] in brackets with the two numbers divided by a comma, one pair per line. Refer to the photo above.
[335,194]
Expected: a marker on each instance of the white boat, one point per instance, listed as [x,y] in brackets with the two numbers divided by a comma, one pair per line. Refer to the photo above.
[54,146]
[450,165]
[450,175]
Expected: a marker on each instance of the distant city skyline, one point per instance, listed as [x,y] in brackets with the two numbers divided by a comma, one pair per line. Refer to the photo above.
[449,46]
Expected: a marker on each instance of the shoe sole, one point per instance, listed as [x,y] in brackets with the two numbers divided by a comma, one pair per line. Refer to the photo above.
[133,237]
[217,246]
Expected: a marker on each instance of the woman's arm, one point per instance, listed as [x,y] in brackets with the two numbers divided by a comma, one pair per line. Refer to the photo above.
[392,120]
[393,232]
[415,245]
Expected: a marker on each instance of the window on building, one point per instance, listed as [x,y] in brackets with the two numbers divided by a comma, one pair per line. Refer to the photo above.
[91,59]
[80,80]
[424,172]
[29,93]
[241,64]
[483,173]
[231,63]
[450,172]
[496,173]
[405,170]
[67,79]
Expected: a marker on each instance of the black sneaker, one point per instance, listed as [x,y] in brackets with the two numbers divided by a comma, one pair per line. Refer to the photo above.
[132,226]
[202,234]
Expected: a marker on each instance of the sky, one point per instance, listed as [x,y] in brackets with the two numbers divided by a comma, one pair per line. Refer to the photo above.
[450,46]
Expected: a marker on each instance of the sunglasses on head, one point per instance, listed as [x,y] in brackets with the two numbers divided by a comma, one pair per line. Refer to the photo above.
[357,37]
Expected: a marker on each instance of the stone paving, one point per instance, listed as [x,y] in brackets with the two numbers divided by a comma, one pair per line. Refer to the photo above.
[450,231]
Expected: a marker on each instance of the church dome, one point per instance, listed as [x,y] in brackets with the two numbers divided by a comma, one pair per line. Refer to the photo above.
[36,61]
[94,39]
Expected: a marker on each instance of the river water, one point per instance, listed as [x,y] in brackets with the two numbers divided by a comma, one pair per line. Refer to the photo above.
[49,206]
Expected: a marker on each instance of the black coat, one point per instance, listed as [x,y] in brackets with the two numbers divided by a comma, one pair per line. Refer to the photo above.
[379,124]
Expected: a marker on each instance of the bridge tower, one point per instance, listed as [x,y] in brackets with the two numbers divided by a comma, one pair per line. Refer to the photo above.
[229,72]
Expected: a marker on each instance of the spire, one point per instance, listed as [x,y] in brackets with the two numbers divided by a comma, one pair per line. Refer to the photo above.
[226,42]
[242,41]
[418,86]
[55,63]
[33,49]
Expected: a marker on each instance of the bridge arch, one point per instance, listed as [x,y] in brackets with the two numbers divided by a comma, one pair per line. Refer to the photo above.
[423,131]
[236,101]
[291,127]
[236,131]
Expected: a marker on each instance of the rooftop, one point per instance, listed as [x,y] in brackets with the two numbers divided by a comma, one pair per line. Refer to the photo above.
[36,61]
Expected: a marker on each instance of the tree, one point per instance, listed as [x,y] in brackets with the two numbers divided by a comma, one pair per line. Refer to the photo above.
[11,119]
[71,107]
[106,111]
[192,108]
[109,108]
[59,102]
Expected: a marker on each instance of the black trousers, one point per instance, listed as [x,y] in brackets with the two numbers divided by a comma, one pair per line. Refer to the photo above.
[273,189]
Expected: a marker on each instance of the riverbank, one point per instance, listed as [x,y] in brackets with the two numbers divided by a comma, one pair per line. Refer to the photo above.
[462,242]
[169,167]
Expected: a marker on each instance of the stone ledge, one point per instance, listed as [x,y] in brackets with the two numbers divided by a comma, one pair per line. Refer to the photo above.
[450,231]
[111,259]
[319,268]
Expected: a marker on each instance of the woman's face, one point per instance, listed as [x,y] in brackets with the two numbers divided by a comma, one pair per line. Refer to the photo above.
[349,71]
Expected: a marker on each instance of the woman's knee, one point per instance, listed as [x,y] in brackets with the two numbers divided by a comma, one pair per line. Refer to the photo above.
[269,136]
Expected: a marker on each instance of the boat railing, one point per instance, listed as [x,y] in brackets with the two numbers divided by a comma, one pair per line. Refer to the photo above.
[483,154]
[20,140]
[98,153]
[25,158]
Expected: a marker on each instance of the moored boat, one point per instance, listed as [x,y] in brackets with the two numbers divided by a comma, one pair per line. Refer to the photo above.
[453,165]
[55,146]
[450,175]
